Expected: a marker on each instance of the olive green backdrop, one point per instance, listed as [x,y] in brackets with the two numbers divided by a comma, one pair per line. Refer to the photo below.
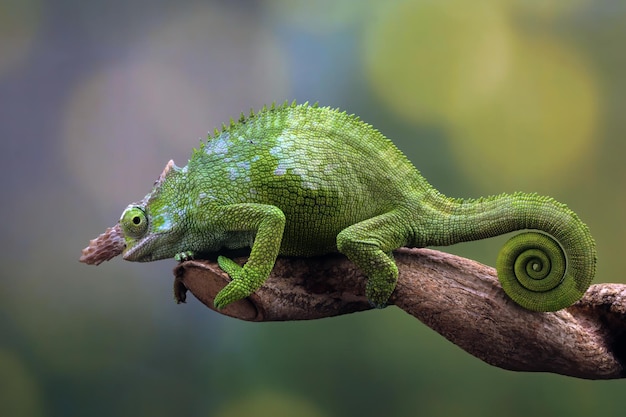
[95,97]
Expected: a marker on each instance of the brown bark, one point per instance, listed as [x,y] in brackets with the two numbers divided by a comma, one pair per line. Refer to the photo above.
[459,298]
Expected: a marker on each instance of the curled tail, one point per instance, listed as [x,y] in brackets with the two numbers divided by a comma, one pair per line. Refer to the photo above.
[546,268]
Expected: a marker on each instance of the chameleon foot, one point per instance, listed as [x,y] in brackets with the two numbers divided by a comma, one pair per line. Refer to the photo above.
[184,256]
[241,286]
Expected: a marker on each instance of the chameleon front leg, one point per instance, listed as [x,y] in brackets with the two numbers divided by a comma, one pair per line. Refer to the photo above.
[268,223]
[369,245]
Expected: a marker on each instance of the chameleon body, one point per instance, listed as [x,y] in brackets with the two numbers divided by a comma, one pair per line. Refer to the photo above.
[304,180]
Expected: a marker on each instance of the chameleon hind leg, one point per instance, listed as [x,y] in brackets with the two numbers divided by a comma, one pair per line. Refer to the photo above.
[369,245]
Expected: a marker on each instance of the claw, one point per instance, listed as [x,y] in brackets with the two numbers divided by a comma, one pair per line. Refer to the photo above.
[184,256]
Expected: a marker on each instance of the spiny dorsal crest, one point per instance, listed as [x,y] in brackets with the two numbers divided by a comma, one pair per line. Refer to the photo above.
[243,119]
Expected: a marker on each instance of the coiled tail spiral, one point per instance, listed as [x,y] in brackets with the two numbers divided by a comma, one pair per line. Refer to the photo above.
[552,266]
[532,268]
[548,266]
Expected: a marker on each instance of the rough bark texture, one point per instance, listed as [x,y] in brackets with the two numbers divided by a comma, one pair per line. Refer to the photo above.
[459,298]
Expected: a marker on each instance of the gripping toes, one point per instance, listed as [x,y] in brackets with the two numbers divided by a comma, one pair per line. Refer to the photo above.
[235,290]
[184,256]
[242,285]
[232,291]
[381,283]
[378,291]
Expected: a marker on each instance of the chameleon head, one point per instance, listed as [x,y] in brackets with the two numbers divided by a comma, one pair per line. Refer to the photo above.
[152,227]
[146,238]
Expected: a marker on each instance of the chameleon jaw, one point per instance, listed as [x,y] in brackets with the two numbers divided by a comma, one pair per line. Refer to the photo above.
[146,249]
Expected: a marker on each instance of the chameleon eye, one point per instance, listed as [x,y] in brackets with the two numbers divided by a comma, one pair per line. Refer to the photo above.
[134,222]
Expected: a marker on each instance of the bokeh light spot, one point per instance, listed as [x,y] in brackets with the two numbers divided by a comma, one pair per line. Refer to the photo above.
[537,124]
[547,9]
[421,57]
[267,403]
[181,80]
[227,55]
[320,16]
[513,104]
[19,392]
[19,23]
[111,135]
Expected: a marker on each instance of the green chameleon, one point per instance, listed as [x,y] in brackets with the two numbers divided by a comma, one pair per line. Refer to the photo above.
[302,180]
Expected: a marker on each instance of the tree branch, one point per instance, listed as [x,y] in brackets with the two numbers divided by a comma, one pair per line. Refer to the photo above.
[459,298]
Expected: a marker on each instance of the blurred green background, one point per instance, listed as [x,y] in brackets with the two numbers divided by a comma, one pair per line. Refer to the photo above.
[484,97]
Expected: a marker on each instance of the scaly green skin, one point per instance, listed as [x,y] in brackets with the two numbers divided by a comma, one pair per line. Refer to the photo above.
[302,181]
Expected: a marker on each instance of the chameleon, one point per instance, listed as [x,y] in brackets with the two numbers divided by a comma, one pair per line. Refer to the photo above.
[305,180]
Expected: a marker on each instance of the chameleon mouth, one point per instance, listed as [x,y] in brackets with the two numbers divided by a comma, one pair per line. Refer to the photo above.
[105,247]
[131,253]
[143,250]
